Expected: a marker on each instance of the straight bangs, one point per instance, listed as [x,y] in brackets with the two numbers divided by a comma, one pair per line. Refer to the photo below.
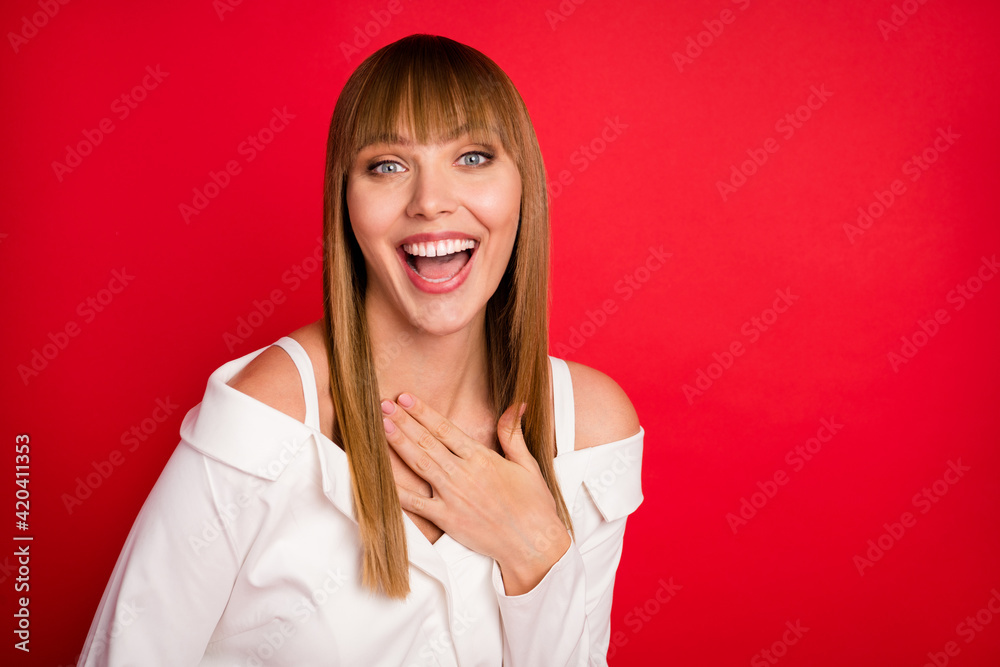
[433,93]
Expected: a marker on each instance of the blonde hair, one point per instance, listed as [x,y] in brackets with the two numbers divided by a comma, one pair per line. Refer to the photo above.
[434,87]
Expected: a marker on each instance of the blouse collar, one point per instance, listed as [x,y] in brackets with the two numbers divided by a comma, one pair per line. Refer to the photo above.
[240,431]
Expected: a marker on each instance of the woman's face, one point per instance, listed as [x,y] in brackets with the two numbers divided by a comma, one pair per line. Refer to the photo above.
[436,224]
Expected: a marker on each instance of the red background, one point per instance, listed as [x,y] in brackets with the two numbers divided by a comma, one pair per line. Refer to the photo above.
[681,129]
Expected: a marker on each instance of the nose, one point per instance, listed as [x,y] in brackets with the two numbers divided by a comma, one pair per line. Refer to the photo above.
[433,193]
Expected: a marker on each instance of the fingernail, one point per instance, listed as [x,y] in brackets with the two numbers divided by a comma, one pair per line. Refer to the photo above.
[405,400]
[524,406]
[389,426]
[388,407]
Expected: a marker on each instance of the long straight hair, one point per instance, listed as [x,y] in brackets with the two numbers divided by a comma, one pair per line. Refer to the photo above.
[432,86]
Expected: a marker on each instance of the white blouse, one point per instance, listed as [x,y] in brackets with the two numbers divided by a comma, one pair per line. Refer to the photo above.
[246,552]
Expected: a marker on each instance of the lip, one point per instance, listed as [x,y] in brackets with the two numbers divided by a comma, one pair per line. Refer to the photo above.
[452,283]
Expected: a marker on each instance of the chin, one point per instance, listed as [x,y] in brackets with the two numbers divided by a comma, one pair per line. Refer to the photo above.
[442,322]
[443,314]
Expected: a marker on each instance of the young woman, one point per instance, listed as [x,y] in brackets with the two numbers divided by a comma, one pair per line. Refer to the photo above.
[363,492]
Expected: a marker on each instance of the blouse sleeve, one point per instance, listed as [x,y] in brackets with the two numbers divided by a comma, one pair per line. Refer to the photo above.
[566,618]
[176,571]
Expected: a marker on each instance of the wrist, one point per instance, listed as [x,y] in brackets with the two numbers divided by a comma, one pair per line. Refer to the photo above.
[524,569]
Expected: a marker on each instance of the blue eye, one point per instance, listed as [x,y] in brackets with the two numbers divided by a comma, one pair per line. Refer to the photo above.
[475,158]
[385,167]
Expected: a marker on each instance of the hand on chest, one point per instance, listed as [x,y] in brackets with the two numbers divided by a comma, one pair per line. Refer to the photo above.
[408,479]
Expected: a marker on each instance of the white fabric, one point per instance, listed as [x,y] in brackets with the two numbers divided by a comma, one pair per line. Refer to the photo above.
[246,552]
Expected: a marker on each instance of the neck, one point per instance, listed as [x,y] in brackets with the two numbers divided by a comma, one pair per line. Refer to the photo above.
[448,372]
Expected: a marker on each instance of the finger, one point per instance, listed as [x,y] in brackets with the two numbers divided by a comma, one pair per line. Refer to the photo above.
[428,421]
[414,456]
[406,478]
[418,433]
[429,508]
[512,438]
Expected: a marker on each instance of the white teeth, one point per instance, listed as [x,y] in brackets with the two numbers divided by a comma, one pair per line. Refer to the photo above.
[439,248]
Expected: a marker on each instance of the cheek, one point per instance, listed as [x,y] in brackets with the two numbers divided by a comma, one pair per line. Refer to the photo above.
[370,216]
[499,207]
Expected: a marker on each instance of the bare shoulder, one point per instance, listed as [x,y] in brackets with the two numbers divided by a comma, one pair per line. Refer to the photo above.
[312,338]
[273,379]
[603,410]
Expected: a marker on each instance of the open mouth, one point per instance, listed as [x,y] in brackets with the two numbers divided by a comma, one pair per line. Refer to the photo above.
[439,261]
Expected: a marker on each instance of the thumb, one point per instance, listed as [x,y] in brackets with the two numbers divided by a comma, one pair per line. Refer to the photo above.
[511,437]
